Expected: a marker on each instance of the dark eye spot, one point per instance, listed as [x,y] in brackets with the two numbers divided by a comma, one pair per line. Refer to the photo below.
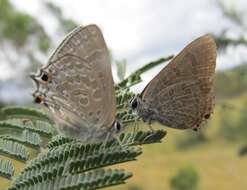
[118,126]
[134,103]
[195,129]
[207,116]
[38,100]
[45,77]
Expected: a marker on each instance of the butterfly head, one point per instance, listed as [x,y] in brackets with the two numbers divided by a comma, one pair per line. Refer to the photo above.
[43,77]
[135,102]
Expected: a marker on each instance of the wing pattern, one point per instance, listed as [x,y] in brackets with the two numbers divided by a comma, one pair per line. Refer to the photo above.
[81,90]
[181,95]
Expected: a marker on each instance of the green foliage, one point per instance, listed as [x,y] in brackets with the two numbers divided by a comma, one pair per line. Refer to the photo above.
[186,178]
[44,44]
[6,169]
[223,41]
[228,127]
[242,122]
[233,129]
[66,24]
[59,140]
[24,112]
[135,77]
[191,139]
[90,180]
[121,68]
[40,127]
[13,149]
[235,16]
[73,157]
[31,43]
[12,20]
[236,80]
[21,22]
[22,128]
[27,138]
[76,158]
[231,12]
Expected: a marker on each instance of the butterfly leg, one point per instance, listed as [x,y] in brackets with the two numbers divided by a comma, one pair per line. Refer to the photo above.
[135,130]
[152,131]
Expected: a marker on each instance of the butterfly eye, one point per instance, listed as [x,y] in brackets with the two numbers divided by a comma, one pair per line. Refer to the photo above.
[45,77]
[207,116]
[117,126]
[134,103]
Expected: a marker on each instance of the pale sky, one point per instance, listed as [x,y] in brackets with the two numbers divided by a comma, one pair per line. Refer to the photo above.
[143,30]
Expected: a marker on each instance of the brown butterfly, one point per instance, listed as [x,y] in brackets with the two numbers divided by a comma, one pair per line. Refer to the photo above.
[76,85]
[181,95]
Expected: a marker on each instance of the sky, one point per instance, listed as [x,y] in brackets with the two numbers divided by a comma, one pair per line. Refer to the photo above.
[142,31]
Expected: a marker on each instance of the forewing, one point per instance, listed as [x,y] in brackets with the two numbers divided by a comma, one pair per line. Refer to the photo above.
[181,95]
[82,87]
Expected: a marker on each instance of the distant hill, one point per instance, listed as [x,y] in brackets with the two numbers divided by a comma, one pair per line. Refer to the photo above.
[231,82]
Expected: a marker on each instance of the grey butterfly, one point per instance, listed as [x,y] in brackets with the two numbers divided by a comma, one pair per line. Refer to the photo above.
[181,95]
[76,85]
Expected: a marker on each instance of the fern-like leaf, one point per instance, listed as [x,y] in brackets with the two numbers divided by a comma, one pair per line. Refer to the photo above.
[13,149]
[127,139]
[74,157]
[38,126]
[23,112]
[86,181]
[135,78]
[6,169]
[59,140]
[123,97]
[27,138]
[78,163]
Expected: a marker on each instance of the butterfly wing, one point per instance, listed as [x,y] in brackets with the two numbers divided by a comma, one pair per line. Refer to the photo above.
[81,92]
[181,95]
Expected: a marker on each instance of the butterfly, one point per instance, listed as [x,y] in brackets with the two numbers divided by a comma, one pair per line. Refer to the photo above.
[181,95]
[76,85]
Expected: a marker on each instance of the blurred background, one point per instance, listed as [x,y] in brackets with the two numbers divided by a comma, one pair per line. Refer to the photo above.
[136,33]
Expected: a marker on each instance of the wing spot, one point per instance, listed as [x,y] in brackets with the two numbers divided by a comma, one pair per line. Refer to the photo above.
[84,101]
[195,129]
[207,116]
